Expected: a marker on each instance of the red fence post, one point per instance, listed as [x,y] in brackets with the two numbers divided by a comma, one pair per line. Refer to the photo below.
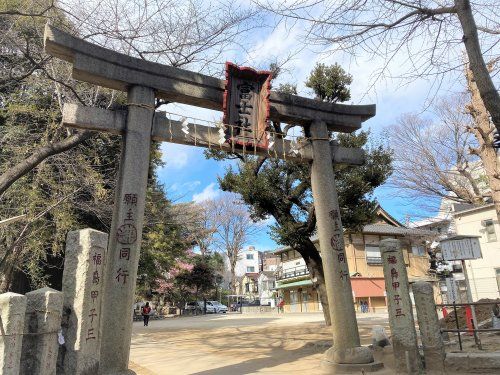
[469,320]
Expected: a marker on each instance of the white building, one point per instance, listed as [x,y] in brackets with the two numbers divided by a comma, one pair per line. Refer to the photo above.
[248,262]
[266,288]
[255,275]
[468,220]
[484,273]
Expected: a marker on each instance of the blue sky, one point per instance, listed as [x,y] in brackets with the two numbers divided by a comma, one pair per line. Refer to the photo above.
[189,176]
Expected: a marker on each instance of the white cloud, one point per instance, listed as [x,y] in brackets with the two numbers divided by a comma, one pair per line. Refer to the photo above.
[176,156]
[210,192]
[185,187]
[280,43]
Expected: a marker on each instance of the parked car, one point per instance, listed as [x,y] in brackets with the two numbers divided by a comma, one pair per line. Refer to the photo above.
[193,305]
[199,306]
[219,307]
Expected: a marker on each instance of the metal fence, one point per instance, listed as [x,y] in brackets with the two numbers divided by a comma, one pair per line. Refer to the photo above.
[472,326]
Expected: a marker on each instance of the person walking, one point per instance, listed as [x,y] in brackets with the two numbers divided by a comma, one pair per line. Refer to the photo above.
[280,305]
[146,310]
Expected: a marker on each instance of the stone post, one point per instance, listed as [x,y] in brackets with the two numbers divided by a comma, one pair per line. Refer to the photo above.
[428,324]
[346,344]
[125,237]
[12,310]
[404,336]
[82,289]
[41,326]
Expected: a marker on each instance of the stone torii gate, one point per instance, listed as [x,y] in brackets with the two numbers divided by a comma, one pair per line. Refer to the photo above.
[144,81]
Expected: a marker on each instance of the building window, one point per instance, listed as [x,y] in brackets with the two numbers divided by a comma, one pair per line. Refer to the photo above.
[250,256]
[251,269]
[373,254]
[418,250]
[490,230]
[247,287]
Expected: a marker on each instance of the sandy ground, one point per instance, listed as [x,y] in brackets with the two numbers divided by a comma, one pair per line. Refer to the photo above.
[240,344]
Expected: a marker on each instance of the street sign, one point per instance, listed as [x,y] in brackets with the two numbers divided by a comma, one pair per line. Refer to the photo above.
[460,248]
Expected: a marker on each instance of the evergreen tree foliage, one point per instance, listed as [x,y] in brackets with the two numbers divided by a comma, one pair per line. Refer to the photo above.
[330,83]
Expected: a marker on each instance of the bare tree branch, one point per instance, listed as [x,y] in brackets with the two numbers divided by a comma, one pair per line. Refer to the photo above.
[233,228]
[427,36]
[431,158]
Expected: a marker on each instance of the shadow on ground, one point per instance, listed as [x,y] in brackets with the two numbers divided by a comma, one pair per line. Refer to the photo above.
[275,358]
[245,345]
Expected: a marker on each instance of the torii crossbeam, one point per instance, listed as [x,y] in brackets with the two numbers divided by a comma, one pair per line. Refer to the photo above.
[143,81]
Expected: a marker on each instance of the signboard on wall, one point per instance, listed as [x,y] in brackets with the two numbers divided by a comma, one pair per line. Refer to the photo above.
[461,248]
[246,106]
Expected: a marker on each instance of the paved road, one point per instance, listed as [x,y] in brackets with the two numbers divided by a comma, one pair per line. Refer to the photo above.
[237,344]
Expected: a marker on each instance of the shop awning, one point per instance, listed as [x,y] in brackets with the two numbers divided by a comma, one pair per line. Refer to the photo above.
[368,287]
[294,284]
[361,286]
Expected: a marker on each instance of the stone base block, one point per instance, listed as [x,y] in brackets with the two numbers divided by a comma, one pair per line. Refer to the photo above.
[357,355]
[347,368]
[479,363]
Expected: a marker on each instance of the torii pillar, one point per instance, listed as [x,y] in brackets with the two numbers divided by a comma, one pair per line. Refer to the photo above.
[143,81]
[126,232]
[346,354]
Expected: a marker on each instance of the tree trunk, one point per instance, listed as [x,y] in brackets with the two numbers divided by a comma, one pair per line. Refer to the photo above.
[487,89]
[315,267]
[483,131]
[233,277]
[321,287]
[19,170]
[6,280]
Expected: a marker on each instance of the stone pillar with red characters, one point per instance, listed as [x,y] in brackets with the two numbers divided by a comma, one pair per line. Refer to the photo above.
[82,289]
[404,335]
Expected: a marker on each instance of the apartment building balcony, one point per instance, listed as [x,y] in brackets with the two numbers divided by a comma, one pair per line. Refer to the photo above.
[290,273]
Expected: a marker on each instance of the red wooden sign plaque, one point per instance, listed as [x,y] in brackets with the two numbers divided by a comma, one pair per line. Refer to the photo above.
[246,105]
